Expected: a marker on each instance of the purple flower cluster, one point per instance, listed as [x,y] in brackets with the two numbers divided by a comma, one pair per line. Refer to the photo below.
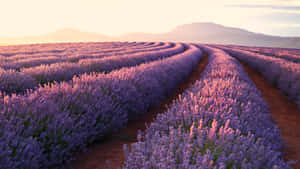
[12,81]
[281,73]
[220,122]
[66,70]
[44,127]
[30,62]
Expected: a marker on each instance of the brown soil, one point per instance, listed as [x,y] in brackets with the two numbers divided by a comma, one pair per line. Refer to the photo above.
[285,113]
[111,149]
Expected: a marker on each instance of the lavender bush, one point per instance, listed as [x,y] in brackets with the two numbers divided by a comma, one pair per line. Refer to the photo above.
[30,62]
[287,54]
[281,73]
[14,82]
[220,122]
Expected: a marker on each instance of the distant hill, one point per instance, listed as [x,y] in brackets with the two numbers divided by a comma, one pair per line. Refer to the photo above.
[195,32]
[62,35]
[214,33]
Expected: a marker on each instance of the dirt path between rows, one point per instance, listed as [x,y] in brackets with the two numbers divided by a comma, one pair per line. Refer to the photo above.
[285,114]
[111,149]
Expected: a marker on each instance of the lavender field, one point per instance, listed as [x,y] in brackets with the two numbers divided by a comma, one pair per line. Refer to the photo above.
[58,100]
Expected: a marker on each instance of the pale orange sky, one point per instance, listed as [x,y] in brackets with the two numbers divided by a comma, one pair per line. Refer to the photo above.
[115,17]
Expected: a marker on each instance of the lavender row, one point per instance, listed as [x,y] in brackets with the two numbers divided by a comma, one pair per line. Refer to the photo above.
[84,49]
[29,78]
[15,82]
[12,81]
[43,128]
[287,54]
[11,51]
[281,73]
[74,56]
[33,58]
[66,71]
[125,51]
[220,122]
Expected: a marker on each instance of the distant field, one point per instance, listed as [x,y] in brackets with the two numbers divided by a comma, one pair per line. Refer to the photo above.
[228,106]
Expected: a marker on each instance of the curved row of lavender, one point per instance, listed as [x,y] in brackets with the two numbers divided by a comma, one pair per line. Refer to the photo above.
[58,48]
[124,51]
[83,49]
[16,82]
[68,54]
[33,62]
[76,54]
[64,50]
[30,61]
[287,54]
[43,128]
[26,53]
[221,122]
[281,73]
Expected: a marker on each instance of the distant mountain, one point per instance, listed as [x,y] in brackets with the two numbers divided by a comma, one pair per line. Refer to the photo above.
[195,32]
[214,33]
[62,35]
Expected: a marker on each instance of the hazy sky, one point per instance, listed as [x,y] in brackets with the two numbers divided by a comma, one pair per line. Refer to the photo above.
[114,17]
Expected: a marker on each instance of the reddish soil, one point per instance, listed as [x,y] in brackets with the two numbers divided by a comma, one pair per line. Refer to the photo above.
[111,149]
[285,114]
